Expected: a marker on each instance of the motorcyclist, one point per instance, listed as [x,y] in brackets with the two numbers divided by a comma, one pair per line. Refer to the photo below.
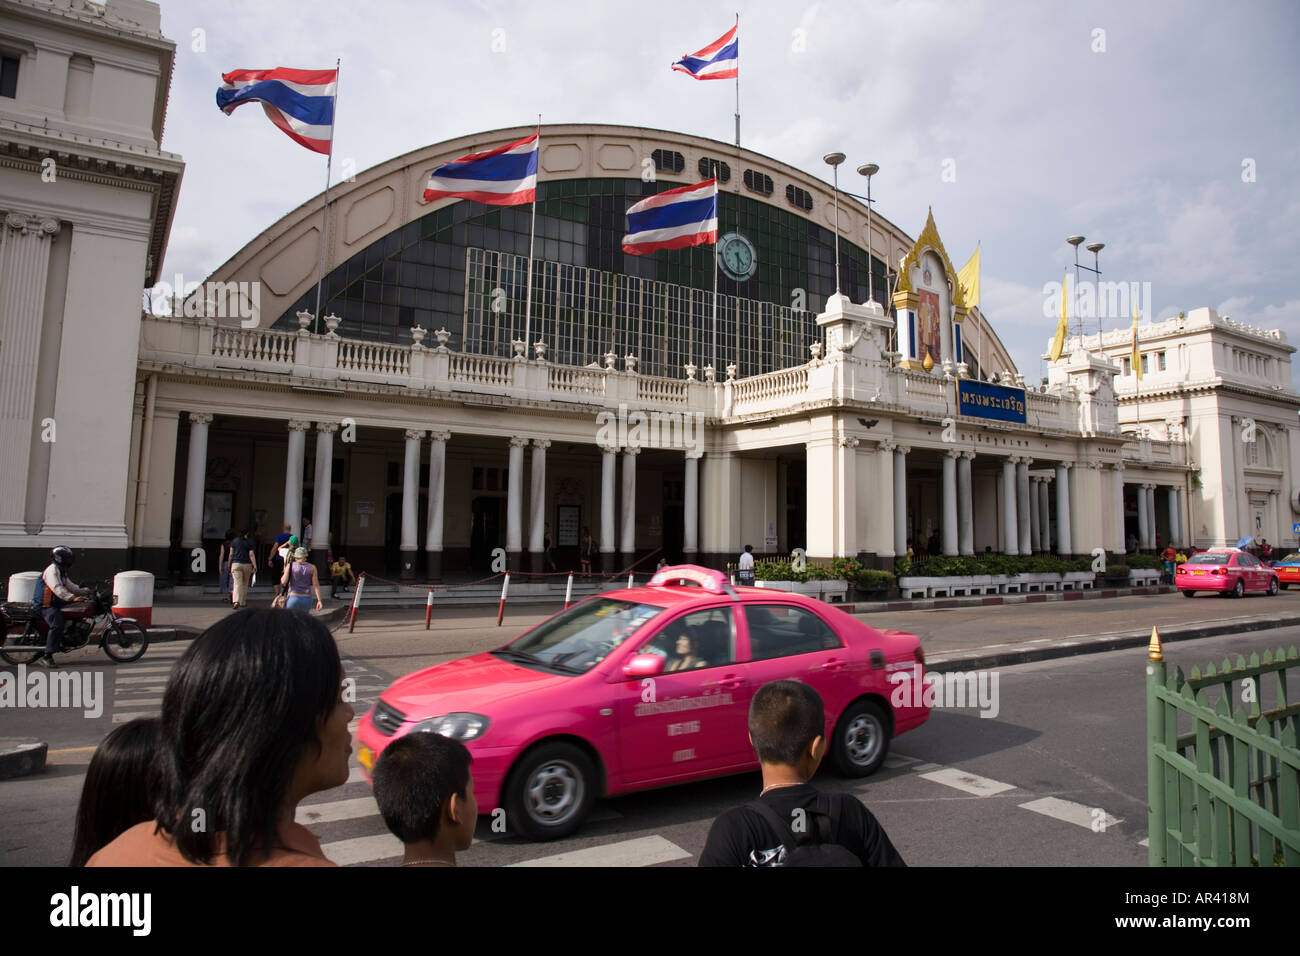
[57,591]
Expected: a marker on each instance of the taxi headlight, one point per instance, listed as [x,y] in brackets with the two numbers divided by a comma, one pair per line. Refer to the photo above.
[460,727]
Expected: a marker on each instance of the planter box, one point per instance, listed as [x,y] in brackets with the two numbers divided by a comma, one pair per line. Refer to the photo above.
[834,592]
[1143,577]
[1078,580]
[910,587]
[776,585]
[962,584]
[1016,583]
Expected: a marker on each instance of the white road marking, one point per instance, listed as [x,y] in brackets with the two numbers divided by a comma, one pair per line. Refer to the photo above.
[337,810]
[989,647]
[893,761]
[1070,812]
[921,768]
[138,701]
[370,849]
[1145,841]
[1067,644]
[356,775]
[142,679]
[967,782]
[643,851]
[123,718]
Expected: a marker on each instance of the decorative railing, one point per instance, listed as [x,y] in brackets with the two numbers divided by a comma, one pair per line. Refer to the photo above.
[924,388]
[479,369]
[779,386]
[253,345]
[666,390]
[575,381]
[374,358]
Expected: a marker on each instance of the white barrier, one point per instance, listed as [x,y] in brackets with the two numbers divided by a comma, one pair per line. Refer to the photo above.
[133,596]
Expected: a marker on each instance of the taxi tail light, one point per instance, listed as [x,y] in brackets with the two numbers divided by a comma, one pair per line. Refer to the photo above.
[1220,570]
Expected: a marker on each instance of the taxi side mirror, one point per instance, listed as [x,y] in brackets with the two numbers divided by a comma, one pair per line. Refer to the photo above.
[644,665]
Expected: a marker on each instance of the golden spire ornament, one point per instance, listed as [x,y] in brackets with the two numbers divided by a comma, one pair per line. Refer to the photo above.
[928,363]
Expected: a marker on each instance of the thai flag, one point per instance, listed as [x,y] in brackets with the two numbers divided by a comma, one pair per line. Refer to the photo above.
[674,219]
[300,102]
[505,176]
[720,60]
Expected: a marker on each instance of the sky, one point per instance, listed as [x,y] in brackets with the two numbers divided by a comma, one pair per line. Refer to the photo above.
[1169,131]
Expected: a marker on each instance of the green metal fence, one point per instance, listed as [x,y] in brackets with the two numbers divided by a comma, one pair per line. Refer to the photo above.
[1223,767]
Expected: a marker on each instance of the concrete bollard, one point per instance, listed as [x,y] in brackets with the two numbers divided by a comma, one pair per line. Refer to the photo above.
[356,602]
[568,591]
[428,609]
[505,589]
[133,596]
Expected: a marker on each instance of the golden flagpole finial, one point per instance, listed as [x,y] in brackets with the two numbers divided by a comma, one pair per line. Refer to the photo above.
[1153,651]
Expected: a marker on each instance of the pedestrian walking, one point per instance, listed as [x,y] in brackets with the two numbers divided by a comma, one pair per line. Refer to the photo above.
[277,556]
[306,533]
[586,549]
[745,566]
[548,556]
[223,562]
[300,582]
[243,565]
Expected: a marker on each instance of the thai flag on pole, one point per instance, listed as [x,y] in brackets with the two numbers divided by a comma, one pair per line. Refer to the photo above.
[300,102]
[720,60]
[675,219]
[505,176]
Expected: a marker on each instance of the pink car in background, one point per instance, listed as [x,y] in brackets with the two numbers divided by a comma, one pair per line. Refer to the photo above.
[642,687]
[1229,571]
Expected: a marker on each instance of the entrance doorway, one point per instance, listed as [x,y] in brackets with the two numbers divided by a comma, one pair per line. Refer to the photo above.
[486,531]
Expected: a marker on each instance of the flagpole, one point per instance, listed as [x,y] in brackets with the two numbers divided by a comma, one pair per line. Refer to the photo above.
[737,79]
[715,308]
[532,229]
[325,223]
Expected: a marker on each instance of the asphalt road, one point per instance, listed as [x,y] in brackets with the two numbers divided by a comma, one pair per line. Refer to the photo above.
[1057,777]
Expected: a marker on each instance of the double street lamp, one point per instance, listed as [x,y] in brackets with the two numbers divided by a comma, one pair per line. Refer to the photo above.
[1095,248]
[866,169]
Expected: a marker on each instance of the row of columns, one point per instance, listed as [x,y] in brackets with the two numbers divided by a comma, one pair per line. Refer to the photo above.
[625,527]
[1146,499]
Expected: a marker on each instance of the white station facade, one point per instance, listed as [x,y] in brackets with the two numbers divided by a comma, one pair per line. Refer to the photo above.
[434,414]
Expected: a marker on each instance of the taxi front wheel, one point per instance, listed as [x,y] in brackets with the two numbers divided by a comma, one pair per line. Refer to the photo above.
[861,740]
[550,791]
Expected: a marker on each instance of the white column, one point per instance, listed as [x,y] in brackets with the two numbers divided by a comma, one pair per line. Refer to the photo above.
[1022,504]
[437,502]
[608,460]
[1151,515]
[1121,542]
[690,507]
[195,476]
[900,500]
[293,475]
[1184,526]
[1045,514]
[1010,511]
[846,502]
[515,500]
[1035,522]
[965,505]
[1174,537]
[320,512]
[24,271]
[410,500]
[537,503]
[1063,509]
[1144,540]
[949,528]
[628,543]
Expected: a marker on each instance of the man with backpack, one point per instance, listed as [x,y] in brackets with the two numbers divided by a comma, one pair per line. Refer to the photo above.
[792,823]
[54,591]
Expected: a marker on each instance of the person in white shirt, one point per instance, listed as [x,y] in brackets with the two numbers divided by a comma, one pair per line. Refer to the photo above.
[306,534]
[746,566]
[57,591]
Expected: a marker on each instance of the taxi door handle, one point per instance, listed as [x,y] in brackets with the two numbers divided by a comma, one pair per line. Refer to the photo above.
[731,682]
[831,665]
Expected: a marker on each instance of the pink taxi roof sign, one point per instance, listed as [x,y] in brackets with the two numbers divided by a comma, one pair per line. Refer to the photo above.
[713,581]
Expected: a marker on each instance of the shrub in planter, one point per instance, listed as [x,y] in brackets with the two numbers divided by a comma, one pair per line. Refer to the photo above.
[1145,562]
[1117,574]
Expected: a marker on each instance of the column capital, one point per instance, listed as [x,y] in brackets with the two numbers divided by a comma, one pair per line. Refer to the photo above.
[440,436]
[1094,464]
[542,443]
[695,454]
[42,227]
[632,451]
[969,453]
[1118,466]
[297,426]
[607,448]
[903,449]
[414,434]
[200,418]
[887,445]
[518,441]
[1025,460]
[848,441]
[327,428]
[954,453]
[1067,465]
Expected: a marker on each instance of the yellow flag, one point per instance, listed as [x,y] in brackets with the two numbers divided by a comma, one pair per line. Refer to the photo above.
[1058,342]
[969,278]
[1136,359]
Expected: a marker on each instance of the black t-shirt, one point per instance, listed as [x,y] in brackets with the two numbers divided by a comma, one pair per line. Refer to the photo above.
[239,551]
[740,837]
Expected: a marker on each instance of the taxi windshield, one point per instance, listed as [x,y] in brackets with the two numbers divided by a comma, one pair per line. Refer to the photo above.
[583,636]
[1207,558]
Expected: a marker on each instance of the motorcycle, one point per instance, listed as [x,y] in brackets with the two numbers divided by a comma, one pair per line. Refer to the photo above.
[24,629]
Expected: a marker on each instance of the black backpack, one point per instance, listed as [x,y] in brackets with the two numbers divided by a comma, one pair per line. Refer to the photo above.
[817,847]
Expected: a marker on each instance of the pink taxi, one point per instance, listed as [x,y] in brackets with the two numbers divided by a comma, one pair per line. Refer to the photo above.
[643,687]
[1229,571]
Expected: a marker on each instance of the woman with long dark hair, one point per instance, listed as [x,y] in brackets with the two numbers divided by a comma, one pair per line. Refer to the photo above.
[253,721]
[116,794]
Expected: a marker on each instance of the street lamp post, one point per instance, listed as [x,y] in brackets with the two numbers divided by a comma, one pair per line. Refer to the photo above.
[869,170]
[1074,241]
[833,160]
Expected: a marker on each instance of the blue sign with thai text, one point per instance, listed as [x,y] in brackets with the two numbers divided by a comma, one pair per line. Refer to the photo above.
[985,400]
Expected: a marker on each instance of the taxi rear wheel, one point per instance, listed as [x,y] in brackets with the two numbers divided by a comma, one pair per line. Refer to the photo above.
[550,791]
[1272,587]
[1189,594]
[1239,589]
[861,740]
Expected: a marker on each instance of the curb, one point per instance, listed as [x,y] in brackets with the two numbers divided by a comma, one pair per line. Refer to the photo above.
[21,756]
[1037,597]
[163,633]
[1105,642]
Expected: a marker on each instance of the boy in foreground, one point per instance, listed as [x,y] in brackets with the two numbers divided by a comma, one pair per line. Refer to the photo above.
[787,722]
[426,797]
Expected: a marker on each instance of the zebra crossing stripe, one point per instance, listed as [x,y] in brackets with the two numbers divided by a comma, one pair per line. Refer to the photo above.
[139,701]
[354,809]
[143,678]
[123,718]
[967,782]
[642,851]
[368,849]
[1071,812]
[894,761]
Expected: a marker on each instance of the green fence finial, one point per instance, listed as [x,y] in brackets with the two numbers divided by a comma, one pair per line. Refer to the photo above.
[1153,651]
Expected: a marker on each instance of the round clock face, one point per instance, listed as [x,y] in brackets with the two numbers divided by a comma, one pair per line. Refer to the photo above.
[736,256]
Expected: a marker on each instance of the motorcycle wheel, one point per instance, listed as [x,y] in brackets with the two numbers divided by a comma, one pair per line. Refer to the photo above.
[124,641]
[19,635]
